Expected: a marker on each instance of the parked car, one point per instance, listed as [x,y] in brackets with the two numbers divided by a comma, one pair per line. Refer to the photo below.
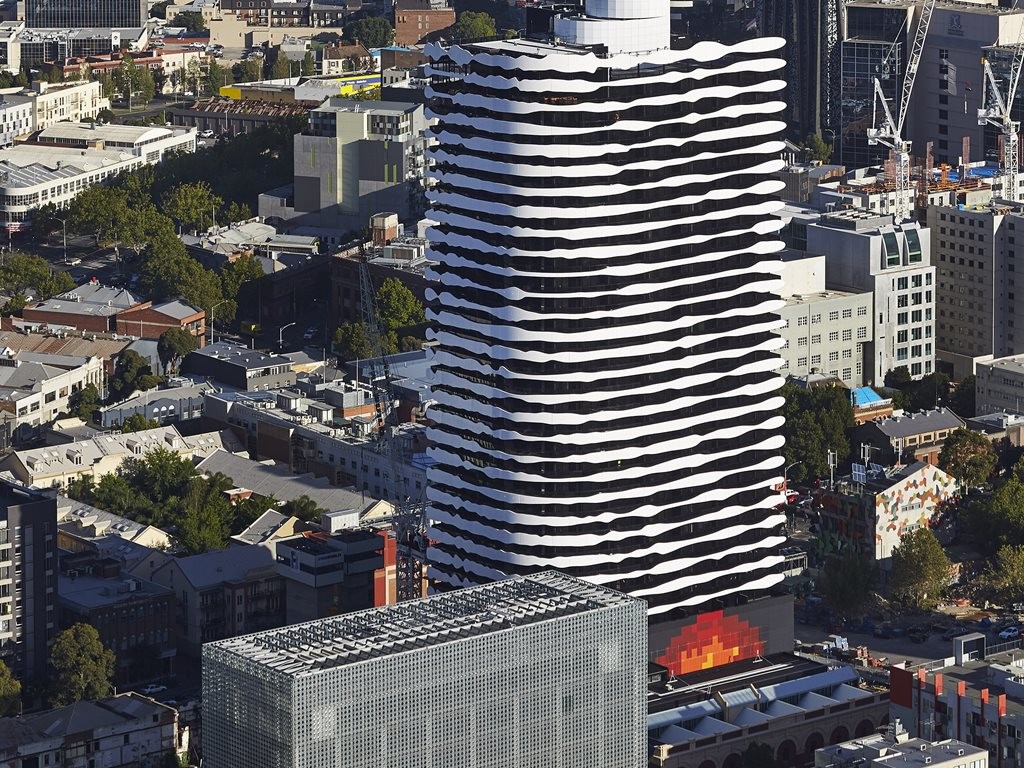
[917,635]
[1010,633]
[152,688]
[310,333]
[207,134]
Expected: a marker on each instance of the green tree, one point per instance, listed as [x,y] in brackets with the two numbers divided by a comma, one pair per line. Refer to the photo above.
[137,422]
[192,21]
[132,373]
[85,402]
[473,26]
[968,456]
[83,668]
[817,420]
[929,392]
[22,79]
[10,693]
[216,78]
[898,377]
[282,67]
[108,84]
[372,32]
[14,305]
[159,10]
[1006,574]
[46,220]
[22,271]
[817,148]
[847,582]
[397,307]
[207,517]
[303,508]
[920,569]
[234,275]
[161,474]
[192,205]
[172,347]
[309,64]
[963,402]
[352,342]
[105,115]
[247,511]
[113,493]
[235,212]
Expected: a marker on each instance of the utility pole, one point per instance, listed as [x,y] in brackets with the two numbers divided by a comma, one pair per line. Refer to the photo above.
[833,462]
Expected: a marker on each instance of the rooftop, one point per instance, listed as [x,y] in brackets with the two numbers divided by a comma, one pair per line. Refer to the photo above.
[239,355]
[338,104]
[897,748]
[86,716]
[89,591]
[110,132]
[223,565]
[73,343]
[26,165]
[156,396]
[92,298]
[909,424]
[443,618]
[268,479]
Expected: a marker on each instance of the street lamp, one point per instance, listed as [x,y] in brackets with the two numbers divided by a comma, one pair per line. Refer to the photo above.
[64,228]
[212,310]
[280,334]
[785,475]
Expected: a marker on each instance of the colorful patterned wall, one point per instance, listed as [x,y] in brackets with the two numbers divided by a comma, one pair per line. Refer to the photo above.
[910,503]
[713,639]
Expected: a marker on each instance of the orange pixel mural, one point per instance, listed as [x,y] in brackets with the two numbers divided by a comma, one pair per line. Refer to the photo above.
[711,640]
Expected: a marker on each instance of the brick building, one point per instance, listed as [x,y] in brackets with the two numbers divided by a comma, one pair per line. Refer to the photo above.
[148,320]
[416,20]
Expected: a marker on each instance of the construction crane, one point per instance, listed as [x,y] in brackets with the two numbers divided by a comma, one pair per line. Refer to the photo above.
[408,512]
[889,131]
[996,112]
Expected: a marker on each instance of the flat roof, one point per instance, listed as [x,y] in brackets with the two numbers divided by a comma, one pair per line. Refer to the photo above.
[109,132]
[25,165]
[339,641]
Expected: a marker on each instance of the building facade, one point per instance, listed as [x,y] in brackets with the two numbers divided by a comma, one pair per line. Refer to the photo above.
[606,387]
[100,13]
[28,579]
[546,668]
[975,257]
[897,747]
[866,252]
[417,21]
[999,386]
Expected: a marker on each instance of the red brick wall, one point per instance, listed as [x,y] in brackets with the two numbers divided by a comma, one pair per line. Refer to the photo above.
[81,322]
[147,323]
[414,25]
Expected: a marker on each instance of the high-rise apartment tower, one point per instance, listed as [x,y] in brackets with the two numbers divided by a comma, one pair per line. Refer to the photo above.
[605,304]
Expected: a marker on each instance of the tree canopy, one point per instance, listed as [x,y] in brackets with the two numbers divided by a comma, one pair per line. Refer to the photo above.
[817,148]
[192,205]
[134,83]
[303,508]
[1006,574]
[920,569]
[85,402]
[847,582]
[173,345]
[968,456]
[10,692]
[282,67]
[372,32]
[206,523]
[352,342]
[397,307]
[963,401]
[137,422]
[816,422]
[83,667]
[193,21]
[473,26]
[21,272]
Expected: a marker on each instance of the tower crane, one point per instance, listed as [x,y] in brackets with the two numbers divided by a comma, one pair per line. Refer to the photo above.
[889,130]
[408,512]
[996,112]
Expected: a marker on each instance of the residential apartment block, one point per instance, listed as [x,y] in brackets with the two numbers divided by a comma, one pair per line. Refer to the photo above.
[417,21]
[866,252]
[826,331]
[547,668]
[920,435]
[239,367]
[28,579]
[975,251]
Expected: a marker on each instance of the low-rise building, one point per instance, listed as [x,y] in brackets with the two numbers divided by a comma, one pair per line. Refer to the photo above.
[57,465]
[35,388]
[15,120]
[872,513]
[102,534]
[239,367]
[134,618]
[792,705]
[166,406]
[54,103]
[896,747]
[91,306]
[223,593]
[128,729]
[342,58]
[302,433]
[327,575]
[920,435]
[147,320]
[150,142]
[234,117]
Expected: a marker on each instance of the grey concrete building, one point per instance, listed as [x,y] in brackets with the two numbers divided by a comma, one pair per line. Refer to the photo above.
[355,159]
[866,252]
[978,318]
[239,367]
[999,386]
[826,331]
[549,669]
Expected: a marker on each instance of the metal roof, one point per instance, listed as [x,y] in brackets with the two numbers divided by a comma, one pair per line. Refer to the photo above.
[303,649]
